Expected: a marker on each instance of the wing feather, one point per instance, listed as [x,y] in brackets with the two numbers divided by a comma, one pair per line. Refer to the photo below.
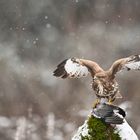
[133,66]
[71,68]
[129,63]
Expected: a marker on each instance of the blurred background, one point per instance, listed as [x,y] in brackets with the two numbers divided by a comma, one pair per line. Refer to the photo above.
[35,36]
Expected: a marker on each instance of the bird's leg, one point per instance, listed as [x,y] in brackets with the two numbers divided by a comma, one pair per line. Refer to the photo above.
[97,101]
[110,101]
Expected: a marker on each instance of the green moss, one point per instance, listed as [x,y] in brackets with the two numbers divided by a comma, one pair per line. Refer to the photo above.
[98,130]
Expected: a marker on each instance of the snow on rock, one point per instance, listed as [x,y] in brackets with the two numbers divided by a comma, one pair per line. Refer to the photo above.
[127,106]
[126,132]
[83,130]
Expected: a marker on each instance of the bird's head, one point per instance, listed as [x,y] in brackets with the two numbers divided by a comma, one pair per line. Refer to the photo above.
[76,60]
[73,59]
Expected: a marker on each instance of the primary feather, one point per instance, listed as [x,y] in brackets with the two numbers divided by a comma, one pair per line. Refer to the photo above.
[60,71]
[133,63]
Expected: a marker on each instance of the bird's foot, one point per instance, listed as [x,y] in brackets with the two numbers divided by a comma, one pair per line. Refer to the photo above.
[110,101]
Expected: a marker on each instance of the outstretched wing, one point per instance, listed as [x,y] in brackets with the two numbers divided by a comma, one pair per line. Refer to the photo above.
[129,63]
[76,68]
[71,68]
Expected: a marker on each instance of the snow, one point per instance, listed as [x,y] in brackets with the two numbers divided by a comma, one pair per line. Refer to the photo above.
[48,25]
[83,130]
[50,125]
[126,132]
[46,17]
[21,129]
[5,122]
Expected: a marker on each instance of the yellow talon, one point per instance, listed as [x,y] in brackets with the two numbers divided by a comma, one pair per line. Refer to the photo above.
[110,101]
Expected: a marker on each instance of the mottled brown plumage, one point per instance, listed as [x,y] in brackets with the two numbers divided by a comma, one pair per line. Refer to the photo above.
[104,82]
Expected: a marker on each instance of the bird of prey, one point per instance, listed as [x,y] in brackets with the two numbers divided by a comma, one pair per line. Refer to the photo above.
[104,83]
[110,114]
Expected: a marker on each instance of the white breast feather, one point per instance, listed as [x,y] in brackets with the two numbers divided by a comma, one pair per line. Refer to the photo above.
[75,69]
[126,132]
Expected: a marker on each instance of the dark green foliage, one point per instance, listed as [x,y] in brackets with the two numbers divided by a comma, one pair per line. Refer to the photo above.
[98,130]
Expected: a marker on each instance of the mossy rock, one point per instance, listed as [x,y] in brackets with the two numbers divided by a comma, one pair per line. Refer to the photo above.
[98,130]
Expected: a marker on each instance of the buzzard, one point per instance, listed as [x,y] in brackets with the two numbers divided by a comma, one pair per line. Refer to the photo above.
[104,83]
